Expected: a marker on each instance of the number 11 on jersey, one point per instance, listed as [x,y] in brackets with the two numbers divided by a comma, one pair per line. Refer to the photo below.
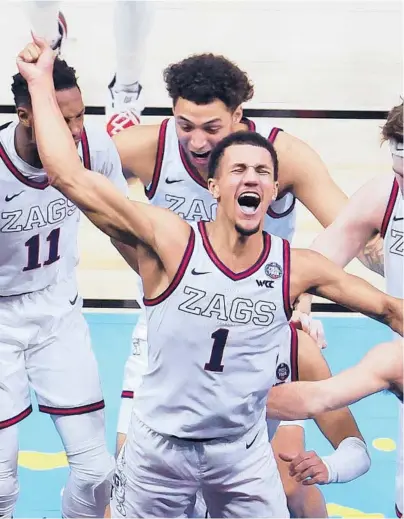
[219,342]
[33,246]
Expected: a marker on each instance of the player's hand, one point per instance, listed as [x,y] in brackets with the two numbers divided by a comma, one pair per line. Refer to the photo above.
[312,327]
[35,61]
[307,468]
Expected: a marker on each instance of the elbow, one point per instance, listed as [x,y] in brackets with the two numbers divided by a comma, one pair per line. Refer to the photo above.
[312,411]
[314,407]
[62,175]
[394,314]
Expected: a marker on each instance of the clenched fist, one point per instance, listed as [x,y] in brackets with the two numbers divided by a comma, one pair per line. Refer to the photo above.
[35,61]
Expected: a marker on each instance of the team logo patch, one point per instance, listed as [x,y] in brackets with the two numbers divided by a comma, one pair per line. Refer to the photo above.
[282,371]
[273,270]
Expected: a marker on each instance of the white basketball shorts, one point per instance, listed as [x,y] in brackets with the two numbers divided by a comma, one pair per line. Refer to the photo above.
[159,476]
[45,345]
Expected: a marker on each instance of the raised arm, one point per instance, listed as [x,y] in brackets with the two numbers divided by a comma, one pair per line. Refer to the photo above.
[126,221]
[381,368]
[311,272]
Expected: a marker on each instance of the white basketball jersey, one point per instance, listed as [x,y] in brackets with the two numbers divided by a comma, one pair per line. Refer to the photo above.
[392,232]
[38,225]
[178,186]
[286,368]
[213,339]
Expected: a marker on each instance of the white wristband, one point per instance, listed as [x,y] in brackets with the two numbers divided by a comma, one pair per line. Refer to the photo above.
[349,461]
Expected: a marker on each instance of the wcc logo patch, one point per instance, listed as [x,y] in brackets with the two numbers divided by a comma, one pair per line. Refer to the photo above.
[273,270]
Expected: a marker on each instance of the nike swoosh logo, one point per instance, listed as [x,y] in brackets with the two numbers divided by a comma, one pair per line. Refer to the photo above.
[248,445]
[9,198]
[74,300]
[173,181]
[395,219]
[195,273]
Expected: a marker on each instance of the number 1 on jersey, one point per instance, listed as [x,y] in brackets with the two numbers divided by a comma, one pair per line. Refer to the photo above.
[219,342]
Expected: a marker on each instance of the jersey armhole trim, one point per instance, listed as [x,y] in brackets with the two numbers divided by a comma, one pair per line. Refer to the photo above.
[294,348]
[86,150]
[17,174]
[389,208]
[150,190]
[286,280]
[178,275]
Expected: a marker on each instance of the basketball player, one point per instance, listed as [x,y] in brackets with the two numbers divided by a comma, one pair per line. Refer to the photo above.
[376,207]
[132,23]
[170,159]
[44,338]
[176,433]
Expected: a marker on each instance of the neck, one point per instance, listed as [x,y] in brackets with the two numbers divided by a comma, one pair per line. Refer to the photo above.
[26,149]
[236,251]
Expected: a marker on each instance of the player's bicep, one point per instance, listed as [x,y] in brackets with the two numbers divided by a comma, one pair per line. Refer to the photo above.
[311,182]
[137,149]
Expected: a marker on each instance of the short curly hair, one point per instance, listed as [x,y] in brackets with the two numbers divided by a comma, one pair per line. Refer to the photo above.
[202,78]
[393,128]
[64,77]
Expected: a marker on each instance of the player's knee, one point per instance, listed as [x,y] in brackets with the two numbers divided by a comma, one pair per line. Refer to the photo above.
[292,488]
[8,490]
[295,495]
[301,499]
[92,470]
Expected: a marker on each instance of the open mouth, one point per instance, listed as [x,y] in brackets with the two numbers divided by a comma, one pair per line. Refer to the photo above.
[249,202]
[200,156]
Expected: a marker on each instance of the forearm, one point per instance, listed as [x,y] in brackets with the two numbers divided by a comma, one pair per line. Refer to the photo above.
[335,245]
[56,146]
[302,400]
[293,401]
[348,462]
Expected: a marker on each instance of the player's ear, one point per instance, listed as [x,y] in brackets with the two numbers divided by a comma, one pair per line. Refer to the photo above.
[24,116]
[237,114]
[276,189]
[213,188]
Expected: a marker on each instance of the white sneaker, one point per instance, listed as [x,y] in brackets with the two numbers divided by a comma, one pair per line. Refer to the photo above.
[124,107]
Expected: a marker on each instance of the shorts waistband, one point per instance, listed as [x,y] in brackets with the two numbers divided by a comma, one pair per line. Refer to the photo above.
[196,440]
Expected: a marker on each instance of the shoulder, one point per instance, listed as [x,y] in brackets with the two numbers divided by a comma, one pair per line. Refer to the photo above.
[371,200]
[142,136]
[97,136]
